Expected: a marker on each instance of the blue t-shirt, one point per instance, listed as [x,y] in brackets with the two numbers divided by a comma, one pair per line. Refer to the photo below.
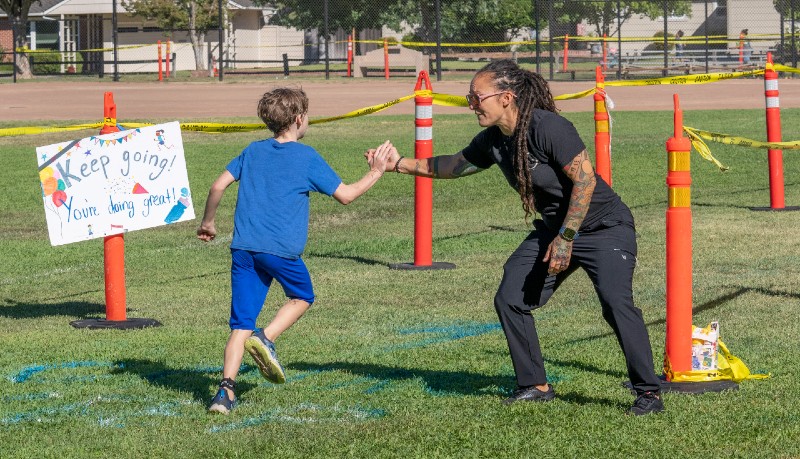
[272,205]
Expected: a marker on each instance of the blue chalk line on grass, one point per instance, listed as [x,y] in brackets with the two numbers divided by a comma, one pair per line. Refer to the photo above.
[445,333]
[28,372]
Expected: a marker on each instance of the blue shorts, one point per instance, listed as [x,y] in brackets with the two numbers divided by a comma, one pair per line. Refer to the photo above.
[251,276]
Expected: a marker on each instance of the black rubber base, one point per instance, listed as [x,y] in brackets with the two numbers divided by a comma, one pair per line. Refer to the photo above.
[698,387]
[691,387]
[412,266]
[770,209]
[117,324]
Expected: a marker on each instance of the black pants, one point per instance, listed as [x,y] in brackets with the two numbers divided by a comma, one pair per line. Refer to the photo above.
[607,253]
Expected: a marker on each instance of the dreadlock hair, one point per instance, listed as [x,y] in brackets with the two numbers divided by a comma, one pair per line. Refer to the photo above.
[531,91]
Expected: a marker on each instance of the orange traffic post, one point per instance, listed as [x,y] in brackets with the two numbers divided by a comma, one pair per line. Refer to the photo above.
[679,248]
[605,53]
[160,61]
[423,186]
[168,57]
[385,59]
[602,135]
[349,55]
[113,257]
[566,53]
[774,157]
[114,245]
[678,353]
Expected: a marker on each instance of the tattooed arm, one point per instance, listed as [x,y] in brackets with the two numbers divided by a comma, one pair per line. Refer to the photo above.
[445,167]
[581,173]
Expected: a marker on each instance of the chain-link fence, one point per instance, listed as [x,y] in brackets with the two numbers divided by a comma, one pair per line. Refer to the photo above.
[565,39]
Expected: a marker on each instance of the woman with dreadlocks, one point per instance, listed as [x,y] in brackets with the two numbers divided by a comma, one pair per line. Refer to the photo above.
[583,223]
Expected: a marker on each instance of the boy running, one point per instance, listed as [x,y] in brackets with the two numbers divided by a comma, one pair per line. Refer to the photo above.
[270,230]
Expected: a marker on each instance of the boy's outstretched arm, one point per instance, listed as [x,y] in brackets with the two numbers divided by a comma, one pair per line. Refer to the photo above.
[208,231]
[377,164]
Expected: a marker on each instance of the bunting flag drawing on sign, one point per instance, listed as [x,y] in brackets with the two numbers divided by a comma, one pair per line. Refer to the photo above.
[114,183]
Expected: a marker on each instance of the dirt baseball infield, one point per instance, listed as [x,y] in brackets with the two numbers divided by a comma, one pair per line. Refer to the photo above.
[81,101]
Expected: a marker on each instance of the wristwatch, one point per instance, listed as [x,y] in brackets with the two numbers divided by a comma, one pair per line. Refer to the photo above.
[568,234]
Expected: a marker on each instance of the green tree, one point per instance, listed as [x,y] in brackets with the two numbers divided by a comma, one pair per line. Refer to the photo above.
[476,21]
[603,15]
[198,16]
[17,12]
[786,7]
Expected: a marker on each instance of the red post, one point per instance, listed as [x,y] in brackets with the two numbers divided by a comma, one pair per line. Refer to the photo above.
[167,64]
[605,53]
[566,53]
[775,157]
[679,248]
[602,137]
[160,59]
[385,59]
[349,55]
[741,48]
[113,246]
[423,186]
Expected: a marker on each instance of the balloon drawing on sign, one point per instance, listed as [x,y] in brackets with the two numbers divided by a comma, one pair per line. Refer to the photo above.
[59,198]
[179,208]
[53,186]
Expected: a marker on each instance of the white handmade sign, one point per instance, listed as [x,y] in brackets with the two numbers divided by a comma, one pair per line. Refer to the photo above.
[114,183]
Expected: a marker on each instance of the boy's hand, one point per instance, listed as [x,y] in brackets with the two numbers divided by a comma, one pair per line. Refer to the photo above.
[378,158]
[207,232]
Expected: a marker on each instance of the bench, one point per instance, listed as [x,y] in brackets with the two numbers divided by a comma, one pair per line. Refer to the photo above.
[400,59]
[571,73]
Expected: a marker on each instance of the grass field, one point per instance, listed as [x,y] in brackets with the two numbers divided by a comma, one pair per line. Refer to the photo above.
[398,363]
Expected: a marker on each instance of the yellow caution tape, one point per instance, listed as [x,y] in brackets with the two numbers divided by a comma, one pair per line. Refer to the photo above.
[687,79]
[784,68]
[697,136]
[449,100]
[576,95]
[703,149]
[742,141]
[365,111]
[221,128]
[31,130]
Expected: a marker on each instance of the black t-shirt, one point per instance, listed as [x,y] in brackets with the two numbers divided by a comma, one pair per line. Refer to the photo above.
[553,143]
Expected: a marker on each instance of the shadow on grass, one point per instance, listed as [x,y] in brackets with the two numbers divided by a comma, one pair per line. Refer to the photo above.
[436,381]
[357,259]
[373,262]
[707,306]
[440,382]
[72,309]
[199,382]
[492,229]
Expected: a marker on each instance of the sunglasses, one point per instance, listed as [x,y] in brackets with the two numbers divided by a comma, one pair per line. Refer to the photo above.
[474,100]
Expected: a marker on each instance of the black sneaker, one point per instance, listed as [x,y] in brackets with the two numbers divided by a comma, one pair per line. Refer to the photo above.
[221,403]
[646,403]
[531,394]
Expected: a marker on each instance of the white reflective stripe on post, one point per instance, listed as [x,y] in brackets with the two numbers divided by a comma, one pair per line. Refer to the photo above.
[771,85]
[424,133]
[772,102]
[424,111]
